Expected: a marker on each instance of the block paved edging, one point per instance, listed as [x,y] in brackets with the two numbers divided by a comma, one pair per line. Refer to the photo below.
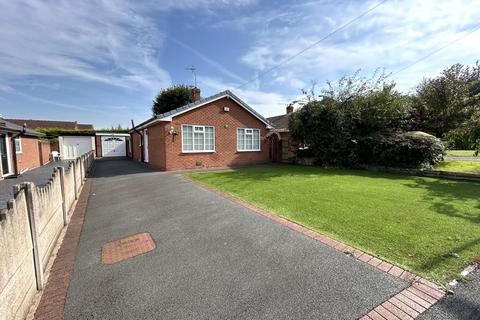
[55,291]
[407,304]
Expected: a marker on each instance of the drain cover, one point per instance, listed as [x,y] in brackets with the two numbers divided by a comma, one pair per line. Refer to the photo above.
[128,247]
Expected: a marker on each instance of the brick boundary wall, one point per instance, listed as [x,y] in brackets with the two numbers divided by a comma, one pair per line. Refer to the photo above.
[54,295]
[407,304]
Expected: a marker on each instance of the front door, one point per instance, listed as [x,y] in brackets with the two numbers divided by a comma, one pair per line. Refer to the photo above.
[145,145]
[4,154]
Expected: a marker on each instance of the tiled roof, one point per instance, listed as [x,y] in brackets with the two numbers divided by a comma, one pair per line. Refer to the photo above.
[279,122]
[84,126]
[12,127]
[34,124]
[203,101]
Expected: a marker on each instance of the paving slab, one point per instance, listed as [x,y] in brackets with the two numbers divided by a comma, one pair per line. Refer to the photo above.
[214,259]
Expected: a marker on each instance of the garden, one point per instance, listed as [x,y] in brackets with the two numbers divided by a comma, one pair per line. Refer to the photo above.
[356,129]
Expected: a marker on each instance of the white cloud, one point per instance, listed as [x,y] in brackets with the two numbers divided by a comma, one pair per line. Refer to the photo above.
[266,103]
[81,40]
[5,87]
[192,4]
[103,109]
[392,36]
[113,42]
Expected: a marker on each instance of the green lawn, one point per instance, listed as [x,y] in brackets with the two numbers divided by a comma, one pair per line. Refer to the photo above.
[429,226]
[459,166]
[461,153]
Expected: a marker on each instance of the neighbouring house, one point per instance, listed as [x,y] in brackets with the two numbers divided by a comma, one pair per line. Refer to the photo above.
[20,149]
[67,125]
[35,124]
[218,131]
[75,139]
[283,148]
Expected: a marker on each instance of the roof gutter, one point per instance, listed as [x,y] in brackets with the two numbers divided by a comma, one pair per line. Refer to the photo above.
[149,122]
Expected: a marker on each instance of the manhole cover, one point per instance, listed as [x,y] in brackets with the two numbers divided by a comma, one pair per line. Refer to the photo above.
[128,247]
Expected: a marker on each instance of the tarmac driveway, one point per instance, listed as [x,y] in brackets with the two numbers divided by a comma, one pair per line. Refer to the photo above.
[214,259]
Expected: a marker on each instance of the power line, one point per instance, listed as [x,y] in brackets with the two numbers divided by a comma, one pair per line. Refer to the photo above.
[312,45]
[435,51]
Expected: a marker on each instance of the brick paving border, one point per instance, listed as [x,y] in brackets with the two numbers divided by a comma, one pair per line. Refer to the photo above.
[54,294]
[407,304]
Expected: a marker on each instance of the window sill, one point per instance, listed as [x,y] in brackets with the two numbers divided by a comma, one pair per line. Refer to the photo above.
[189,152]
[249,150]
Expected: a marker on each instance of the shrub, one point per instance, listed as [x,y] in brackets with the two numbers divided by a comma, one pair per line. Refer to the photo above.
[55,132]
[352,108]
[363,122]
[319,126]
[400,149]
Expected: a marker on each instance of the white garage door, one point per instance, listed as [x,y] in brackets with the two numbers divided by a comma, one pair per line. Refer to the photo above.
[72,147]
[113,146]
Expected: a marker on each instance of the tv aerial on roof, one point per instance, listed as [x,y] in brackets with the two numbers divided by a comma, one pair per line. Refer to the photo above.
[194,74]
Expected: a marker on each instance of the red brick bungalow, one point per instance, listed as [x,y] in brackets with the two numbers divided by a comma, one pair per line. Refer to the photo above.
[20,149]
[218,131]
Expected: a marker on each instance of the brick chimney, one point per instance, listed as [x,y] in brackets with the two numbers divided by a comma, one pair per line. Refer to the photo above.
[195,94]
[289,108]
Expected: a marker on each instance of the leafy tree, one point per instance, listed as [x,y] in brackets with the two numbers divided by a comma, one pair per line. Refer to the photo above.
[467,135]
[443,103]
[171,98]
[118,128]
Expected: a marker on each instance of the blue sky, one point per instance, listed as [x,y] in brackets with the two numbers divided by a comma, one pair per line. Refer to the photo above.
[102,62]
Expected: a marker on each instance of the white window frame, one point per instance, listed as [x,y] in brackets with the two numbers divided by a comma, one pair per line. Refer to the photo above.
[19,139]
[259,140]
[193,139]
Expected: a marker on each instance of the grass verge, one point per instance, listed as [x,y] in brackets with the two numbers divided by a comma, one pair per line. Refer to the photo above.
[459,166]
[461,153]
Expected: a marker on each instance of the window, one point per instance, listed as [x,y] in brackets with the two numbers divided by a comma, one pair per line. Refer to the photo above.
[18,145]
[248,139]
[198,138]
